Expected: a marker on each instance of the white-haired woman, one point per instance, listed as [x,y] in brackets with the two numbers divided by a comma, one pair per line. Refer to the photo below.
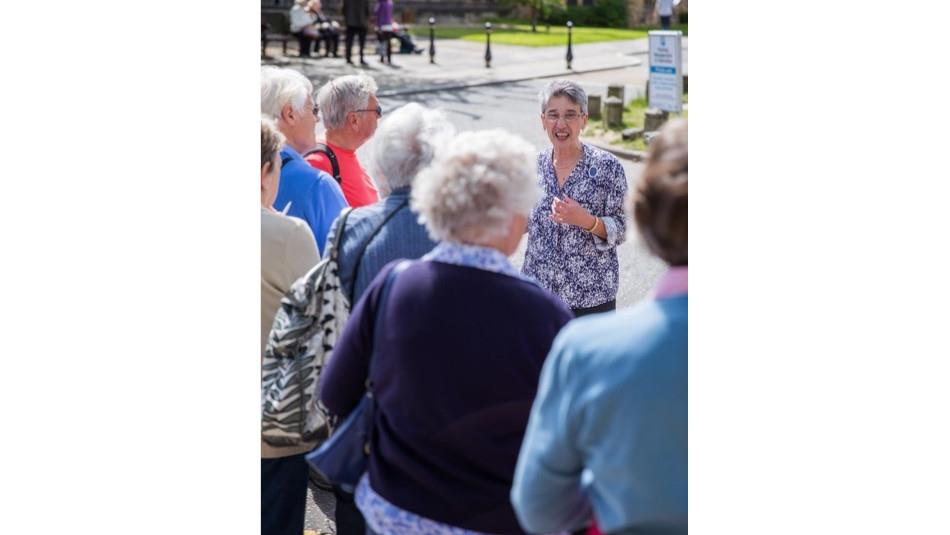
[463,337]
[575,229]
[375,235]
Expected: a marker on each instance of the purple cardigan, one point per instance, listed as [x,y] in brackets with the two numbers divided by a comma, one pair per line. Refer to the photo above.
[384,14]
[458,367]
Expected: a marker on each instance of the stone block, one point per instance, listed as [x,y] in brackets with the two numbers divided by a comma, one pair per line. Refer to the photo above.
[616,90]
[613,112]
[630,134]
[593,107]
[653,119]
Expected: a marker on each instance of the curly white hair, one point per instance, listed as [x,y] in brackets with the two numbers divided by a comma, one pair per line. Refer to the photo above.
[475,185]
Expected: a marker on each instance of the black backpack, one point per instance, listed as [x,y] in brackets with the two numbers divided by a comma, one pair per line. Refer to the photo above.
[324,149]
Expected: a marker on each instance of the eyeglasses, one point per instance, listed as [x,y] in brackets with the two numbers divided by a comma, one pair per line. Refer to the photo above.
[569,117]
[378,109]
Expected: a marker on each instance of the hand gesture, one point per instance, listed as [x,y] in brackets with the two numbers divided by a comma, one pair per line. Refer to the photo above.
[570,212]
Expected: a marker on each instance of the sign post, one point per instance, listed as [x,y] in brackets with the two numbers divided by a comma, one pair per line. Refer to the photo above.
[666,70]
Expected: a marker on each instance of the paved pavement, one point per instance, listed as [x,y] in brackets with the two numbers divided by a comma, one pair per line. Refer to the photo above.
[461,64]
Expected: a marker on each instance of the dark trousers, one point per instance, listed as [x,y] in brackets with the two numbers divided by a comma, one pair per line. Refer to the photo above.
[665,21]
[352,31]
[349,519]
[606,307]
[304,41]
[331,41]
[283,495]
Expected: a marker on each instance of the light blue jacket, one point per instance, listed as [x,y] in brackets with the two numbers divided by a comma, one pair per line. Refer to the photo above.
[608,429]
[401,237]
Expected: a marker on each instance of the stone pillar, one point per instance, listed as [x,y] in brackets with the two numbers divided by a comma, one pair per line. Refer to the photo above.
[615,90]
[653,119]
[593,107]
[613,112]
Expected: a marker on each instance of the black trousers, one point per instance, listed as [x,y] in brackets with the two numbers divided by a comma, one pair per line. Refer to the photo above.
[349,519]
[305,41]
[606,307]
[331,41]
[283,495]
[353,31]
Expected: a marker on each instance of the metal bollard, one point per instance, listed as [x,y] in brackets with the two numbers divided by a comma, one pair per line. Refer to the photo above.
[431,39]
[488,45]
[570,53]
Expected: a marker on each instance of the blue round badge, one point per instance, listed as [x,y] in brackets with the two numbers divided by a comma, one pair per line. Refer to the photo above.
[592,172]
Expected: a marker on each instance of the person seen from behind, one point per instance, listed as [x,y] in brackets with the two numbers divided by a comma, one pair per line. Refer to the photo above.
[384,29]
[375,235]
[607,439]
[305,192]
[288,252]
[462,340]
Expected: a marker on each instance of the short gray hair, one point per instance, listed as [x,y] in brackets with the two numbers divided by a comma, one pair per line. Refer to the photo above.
[563,88]
[475,185]
[342,95]
[406,142]
[280,87]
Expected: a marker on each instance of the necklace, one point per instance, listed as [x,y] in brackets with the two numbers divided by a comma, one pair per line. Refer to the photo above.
[572,163]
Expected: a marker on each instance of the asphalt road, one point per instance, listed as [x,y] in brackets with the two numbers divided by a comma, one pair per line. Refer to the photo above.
[515,108]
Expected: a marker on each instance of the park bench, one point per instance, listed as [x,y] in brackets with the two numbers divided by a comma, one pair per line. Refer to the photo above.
[275,27]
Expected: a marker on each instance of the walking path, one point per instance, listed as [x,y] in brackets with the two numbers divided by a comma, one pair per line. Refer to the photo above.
[461,64]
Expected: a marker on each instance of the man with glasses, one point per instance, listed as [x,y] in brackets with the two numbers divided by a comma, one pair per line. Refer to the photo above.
[350,111]
[304,192]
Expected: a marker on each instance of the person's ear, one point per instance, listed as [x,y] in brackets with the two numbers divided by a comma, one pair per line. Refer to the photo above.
[287,113]
[265,174]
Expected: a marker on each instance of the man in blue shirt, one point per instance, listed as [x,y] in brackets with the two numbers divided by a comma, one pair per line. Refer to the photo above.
[304,192]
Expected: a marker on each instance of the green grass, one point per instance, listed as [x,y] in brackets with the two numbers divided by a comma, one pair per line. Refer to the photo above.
[633,116]
[521,35]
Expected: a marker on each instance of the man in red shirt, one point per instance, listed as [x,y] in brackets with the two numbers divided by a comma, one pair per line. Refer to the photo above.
[350,112]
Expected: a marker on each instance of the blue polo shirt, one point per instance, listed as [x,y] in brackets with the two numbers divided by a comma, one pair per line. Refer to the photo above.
[314,196]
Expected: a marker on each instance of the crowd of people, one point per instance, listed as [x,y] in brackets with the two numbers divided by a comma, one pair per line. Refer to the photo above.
[311,26]
[497,410]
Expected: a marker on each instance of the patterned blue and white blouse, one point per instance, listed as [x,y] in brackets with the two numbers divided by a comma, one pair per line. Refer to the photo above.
[385,518]
[574,264]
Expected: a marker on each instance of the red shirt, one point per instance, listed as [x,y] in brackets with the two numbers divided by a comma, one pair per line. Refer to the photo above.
[357,186]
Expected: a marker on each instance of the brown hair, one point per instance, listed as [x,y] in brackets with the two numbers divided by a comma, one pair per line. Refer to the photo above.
[271,141]
[659,203]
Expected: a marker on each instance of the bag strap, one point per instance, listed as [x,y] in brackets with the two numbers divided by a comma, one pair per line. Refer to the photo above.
[322,148]
[380,307]
[338,233]
[359,257]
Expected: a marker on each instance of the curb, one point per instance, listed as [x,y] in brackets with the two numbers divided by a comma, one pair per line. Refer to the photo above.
[456,87]
[632,155]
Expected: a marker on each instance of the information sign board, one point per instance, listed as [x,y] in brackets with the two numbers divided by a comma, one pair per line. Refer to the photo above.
[666,70]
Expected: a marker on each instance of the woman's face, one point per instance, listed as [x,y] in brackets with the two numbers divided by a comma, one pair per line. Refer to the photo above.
[563,121]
